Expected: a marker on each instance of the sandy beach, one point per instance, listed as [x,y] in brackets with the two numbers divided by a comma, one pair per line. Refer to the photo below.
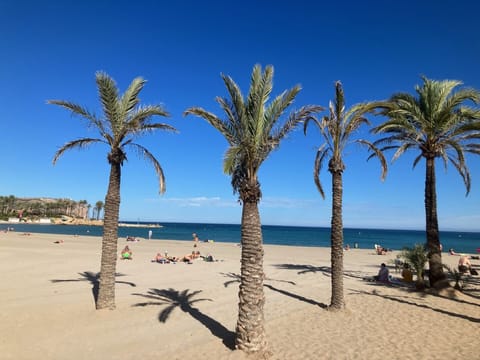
[48,307]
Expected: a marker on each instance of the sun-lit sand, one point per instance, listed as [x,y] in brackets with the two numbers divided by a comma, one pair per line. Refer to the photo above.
[48,312]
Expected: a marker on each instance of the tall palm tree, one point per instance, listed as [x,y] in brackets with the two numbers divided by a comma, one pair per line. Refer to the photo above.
[337,130]
[122,122]
[252,131]
[98,207]
[438,124]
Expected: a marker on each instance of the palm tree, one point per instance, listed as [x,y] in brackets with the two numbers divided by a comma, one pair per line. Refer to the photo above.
[252,132]
[438,124]
[337,129]
[122,122]
[98,208]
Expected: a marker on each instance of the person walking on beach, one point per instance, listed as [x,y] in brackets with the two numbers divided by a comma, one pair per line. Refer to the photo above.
[150,234]
[195,240]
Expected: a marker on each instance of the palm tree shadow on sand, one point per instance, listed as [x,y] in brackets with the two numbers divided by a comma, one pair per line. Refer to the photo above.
[236,279]
[93,278]
[184,301]
[303,269]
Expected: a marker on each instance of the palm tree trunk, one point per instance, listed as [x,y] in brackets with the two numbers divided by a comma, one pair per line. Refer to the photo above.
[337,301]
[106,292]
[250,331]
[433,238]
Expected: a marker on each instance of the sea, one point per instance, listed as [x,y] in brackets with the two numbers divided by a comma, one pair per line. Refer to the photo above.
[463,242]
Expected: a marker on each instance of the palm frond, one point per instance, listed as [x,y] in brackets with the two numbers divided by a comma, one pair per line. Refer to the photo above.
[80,111]
[236,98]
[108,92]
[213,120]
[296,118]
[231,159]
[322,153]
[277,107]
[144,153]
[75,144]
[130,97]
[417,160]
[141,115]
[378,153]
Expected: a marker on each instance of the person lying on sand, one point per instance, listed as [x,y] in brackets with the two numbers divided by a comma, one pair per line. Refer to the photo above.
[189,257]
[58,242]
[208,258]
[452,252]
[159,258]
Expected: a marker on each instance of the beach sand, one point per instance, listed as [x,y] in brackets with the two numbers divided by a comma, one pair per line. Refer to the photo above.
[48,312]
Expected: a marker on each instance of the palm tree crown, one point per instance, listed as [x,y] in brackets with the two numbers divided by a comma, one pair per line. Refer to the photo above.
[250,126]
[122,122]
[436,122]
[337,129]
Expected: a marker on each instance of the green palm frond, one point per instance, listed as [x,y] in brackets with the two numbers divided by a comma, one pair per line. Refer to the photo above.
[278,106]
[378,153]
[320,157]
[80,111]
[236,97]
[259,92]
[108,92]
[144,153]
[213,120]
[231,159]
[137,121]
[129,99]
[303,115]
[75,144]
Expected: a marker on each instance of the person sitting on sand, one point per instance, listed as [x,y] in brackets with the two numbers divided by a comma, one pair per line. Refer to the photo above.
[381,250]
[126,253]
[407,274]
[382,274]
[464,264]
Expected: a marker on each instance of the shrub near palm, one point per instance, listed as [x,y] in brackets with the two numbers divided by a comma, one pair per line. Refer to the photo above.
[417,258]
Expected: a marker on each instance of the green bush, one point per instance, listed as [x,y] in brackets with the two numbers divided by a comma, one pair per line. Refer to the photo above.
[417,258]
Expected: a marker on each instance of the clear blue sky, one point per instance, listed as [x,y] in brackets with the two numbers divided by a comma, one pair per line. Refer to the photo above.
[52,49]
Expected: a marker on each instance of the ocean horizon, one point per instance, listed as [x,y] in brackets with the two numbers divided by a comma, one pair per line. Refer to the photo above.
[364,238]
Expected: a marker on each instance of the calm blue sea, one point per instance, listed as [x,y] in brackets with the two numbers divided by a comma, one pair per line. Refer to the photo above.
[467,242]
